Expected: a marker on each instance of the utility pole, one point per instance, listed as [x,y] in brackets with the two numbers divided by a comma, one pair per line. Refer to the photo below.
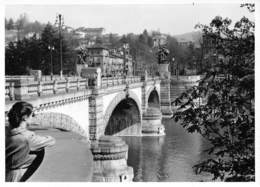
[60,22]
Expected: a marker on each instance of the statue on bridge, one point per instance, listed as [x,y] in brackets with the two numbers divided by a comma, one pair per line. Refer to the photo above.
[160,42]
[162,53]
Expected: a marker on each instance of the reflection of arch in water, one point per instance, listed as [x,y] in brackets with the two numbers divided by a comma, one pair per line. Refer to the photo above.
[153,98]
[59,121]
[123,111]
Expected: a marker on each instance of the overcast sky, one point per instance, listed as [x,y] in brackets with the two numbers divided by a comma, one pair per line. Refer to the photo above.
[122,19]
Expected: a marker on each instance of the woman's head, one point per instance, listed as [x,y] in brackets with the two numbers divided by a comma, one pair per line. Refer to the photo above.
[19,112]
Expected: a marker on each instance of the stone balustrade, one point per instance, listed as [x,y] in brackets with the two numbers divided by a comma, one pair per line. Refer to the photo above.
[114,81]
[25,87]
[20,88]
[186,78]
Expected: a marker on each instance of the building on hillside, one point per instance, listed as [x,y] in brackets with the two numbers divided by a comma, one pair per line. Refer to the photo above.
[159,39]
[31,34]
[184,43]
[113,62]
[79,34]
[94,31]
[83,32]
[68,29]
[10,36]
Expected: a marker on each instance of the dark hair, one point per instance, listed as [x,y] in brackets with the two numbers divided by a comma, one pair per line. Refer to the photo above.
[17,112]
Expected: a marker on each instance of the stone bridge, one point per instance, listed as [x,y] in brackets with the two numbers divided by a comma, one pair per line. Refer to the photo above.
[90,106]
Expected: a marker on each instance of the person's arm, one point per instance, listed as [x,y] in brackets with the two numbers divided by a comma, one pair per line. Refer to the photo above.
[37,142]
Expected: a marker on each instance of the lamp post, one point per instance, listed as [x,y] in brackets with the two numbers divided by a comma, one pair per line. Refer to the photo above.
[194,62]
[172,65]
[60,22]
[51,48]
[125,46]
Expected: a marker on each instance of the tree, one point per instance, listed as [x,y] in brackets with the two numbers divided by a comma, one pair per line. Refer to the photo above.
[35,27]
[226,118]
[33,53]
[6,22]
[50,37]
[20,24]
[9,25]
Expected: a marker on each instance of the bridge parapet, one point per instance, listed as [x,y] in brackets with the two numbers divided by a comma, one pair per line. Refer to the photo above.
[115,81]
[186,78]
[157,78]
[24,88]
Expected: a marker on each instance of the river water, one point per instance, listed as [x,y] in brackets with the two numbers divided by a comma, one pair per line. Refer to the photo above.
[167,158]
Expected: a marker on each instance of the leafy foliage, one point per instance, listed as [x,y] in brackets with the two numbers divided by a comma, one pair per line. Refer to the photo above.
[33,53]
[221,107]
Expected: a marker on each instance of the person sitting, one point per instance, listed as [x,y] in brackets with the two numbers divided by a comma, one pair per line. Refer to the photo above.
[24,149]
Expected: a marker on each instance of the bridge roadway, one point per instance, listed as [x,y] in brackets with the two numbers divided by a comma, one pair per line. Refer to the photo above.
[82,105]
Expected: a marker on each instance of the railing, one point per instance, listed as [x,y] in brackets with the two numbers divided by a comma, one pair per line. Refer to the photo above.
[20,87]
[115,81]
[57,77]
[17,88]
[188,78]
[154,78]
[19,77]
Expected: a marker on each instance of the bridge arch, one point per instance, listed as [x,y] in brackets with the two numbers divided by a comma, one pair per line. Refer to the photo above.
[122,101]
[59,121]
[153,97]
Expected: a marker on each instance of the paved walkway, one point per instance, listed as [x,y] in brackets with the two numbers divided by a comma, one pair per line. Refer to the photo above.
[70,159]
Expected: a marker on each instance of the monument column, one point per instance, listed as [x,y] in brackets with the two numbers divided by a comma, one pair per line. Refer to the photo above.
[96,121]
[165,77]
[144,87]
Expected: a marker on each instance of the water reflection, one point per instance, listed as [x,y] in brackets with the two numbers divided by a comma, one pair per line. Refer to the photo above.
[166,158]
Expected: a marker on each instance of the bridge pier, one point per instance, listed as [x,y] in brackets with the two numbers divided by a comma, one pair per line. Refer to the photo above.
[152,122]
[165,89]
[110,160]
[144,96]
[96,118]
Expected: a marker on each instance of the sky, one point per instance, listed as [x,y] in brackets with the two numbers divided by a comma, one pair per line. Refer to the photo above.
[131,18]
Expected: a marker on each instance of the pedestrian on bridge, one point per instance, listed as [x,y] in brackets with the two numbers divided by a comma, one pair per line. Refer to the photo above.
[23,148]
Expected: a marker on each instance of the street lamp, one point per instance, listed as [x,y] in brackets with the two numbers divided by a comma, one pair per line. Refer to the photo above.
[125,46]
[51,48]
[60,22]
[194,63]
